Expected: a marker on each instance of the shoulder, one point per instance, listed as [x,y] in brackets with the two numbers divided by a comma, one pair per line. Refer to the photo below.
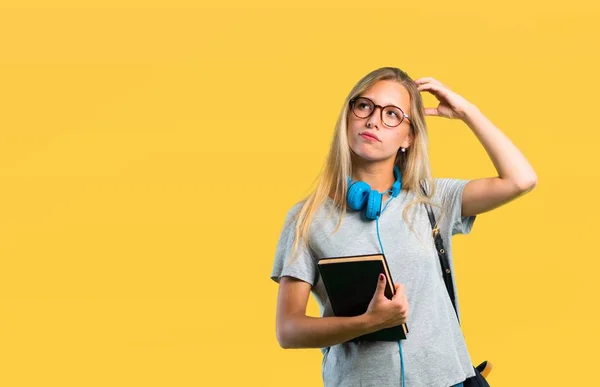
[294,216]
[319,213]
[292,212]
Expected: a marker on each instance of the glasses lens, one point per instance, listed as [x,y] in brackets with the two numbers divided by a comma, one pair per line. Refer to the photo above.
[392,116]
[362,107]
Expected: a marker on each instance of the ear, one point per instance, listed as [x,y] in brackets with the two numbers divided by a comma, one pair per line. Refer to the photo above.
[407,141]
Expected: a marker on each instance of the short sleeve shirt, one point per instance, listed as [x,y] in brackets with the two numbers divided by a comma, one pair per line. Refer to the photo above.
[434,353]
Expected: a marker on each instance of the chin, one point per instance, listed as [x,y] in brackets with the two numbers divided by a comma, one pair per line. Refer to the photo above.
[369,155]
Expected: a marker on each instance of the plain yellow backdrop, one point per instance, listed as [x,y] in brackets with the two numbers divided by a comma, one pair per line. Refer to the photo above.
[149,152]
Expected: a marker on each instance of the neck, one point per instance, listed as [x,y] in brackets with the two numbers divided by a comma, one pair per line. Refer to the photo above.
[379,175]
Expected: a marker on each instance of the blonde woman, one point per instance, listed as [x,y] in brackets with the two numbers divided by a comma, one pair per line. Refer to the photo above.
[380,139]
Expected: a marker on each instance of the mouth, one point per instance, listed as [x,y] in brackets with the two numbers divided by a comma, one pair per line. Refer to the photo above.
[369,136]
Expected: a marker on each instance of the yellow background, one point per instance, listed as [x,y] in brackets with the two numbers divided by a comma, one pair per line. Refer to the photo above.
[150,150]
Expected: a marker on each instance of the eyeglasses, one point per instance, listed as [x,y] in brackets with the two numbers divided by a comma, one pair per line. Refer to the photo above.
[391,115]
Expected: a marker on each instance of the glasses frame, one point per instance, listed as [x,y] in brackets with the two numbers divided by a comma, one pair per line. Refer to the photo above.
[375,106]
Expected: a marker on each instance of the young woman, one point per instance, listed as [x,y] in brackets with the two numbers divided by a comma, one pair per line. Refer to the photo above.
[381,139]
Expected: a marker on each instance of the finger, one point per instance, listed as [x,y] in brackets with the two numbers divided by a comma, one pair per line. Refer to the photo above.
[430,87]
[404,308]
[427,80]
[432,112]
[439,92]
[430,81]
[381,285]
[434,88]
[400,290]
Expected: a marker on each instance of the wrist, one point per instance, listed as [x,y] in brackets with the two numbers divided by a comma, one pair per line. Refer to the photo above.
[368,323]
[469,113]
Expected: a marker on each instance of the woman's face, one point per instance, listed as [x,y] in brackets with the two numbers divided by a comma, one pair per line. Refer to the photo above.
[370,137]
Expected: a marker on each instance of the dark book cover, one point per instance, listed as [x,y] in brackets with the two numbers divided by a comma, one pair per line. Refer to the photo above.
[351,282]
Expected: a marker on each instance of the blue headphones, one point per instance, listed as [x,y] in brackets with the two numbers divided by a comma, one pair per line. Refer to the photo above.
[360,195]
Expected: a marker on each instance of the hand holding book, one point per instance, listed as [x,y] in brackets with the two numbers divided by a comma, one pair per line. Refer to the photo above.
[386,313]
[354,289]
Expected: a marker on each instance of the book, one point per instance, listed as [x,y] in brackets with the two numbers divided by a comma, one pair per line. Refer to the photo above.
[351,282]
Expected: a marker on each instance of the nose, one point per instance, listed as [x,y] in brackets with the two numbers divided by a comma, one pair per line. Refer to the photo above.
[375,118]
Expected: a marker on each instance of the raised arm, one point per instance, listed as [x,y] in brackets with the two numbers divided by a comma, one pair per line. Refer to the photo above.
[515,175]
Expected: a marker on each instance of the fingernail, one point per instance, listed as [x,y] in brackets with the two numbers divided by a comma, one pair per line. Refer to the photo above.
[381,277]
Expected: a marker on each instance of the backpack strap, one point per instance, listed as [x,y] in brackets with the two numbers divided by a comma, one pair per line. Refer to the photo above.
[442,254]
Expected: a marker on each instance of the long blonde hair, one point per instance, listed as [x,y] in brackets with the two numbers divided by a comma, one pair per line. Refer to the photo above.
[332,180]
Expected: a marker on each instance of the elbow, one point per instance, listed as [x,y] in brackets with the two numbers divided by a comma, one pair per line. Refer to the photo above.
[528,184]
[283,336]
[284,345]
[282,340]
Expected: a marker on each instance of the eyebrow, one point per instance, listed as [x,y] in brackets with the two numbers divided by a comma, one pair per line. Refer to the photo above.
[389,104]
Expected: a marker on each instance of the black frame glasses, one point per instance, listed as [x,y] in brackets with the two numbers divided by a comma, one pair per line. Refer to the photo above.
[375,106]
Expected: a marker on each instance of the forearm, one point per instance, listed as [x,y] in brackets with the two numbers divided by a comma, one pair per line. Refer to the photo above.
[319,332]
[508,160]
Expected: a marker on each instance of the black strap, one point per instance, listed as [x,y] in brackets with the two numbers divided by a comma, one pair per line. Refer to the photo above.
[443,255]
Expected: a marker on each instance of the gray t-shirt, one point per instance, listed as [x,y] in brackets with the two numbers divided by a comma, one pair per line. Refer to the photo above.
[435,353]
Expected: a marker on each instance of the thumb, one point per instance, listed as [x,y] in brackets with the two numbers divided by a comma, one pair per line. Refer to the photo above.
[380,291]
[431,112]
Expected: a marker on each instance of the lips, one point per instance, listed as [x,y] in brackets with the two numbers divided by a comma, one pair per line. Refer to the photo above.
[369,135]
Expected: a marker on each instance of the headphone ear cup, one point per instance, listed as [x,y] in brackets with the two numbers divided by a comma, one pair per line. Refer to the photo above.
[357,196]
[374,205]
